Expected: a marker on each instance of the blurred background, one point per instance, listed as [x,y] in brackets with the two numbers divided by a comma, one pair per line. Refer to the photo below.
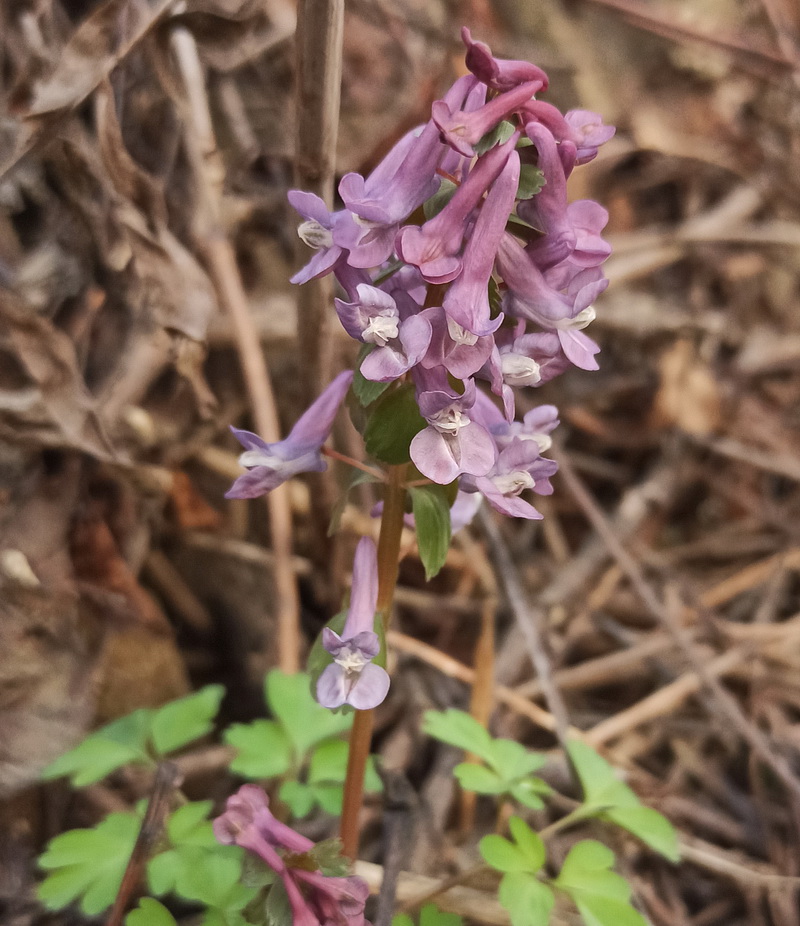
[127,580]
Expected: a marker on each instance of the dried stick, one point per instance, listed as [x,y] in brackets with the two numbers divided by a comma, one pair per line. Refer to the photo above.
[208,172]
[727,705]
[320,27]
[166,780]
[318,43]
[529,619]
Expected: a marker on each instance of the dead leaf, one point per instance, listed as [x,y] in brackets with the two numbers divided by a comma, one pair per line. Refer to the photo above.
[689,395]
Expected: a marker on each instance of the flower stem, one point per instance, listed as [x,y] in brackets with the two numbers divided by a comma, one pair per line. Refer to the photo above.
[361,734]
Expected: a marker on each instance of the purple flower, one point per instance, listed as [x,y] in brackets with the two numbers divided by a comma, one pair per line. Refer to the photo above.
[452,443]
[462,130]
[315,899]
[467,300]
[269,465]
[374,318]
[434,247]
[588,133]
[498,73]
[460,352]
[352,678]
[519,466]
[329,233]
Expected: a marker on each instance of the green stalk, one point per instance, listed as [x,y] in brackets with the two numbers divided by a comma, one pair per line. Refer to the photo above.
[394,501]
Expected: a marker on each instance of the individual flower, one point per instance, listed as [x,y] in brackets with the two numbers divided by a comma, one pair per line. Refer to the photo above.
[519,466]
[588,133]
[269,465]
[452,443]
[435,246]
[467,299]
[498,73]
[329,233]
[374,318]
[463,130]
[315,899]
[459,351]
[352,678]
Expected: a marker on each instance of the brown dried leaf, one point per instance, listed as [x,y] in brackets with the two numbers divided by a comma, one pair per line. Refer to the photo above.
[689,395]
[43,399]
[96,47]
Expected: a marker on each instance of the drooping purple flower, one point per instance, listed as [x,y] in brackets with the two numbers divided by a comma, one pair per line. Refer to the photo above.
[269,465]
[519,466]
[588,133]
[452,443]
[352,678]
[435,246]
[315,899]
[329,233]
[463,130]
[467,299]
[399,184]
[531,296]
[499,73]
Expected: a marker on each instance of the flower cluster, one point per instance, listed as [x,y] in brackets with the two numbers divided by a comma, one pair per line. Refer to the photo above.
[315,899]
[492,279]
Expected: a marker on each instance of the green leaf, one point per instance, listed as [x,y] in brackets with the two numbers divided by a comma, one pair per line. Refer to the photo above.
[212,877]
[527,900]
[330,797]
[478,778]
[298,797]
[278,910]
[366,391]
[104,751]
[392,425]
[502,854]
[528,792]
[263,749]
[612,800]
[162,869]
[513,761]
[189,825]
[150,913]
[402,919]
[329,762]
[305,722]
[329,859]
[650,826]
[531,180]
[498,136]
[601,896]
[457,728]
[529,842]
[431,509]
[88,864]
[440,198]
[186,719]
[431,915]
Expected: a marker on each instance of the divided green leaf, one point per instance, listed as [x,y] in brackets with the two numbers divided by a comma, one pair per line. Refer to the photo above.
[527,900]
[608,798]
[429,915]
[601,895]
[531,181]
[393,424]
[263,749]
[105,750]
[150,912]
[187,719]
[431,508]
[88,864]
[499,135]
[304,721]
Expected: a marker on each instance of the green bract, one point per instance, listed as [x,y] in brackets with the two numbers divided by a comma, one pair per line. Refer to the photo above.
[431,507]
